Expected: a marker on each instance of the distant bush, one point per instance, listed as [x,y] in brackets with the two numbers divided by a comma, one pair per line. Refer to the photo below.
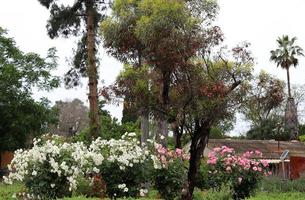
[278,185]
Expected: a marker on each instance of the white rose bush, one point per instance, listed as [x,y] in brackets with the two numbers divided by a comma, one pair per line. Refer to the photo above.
[51,168]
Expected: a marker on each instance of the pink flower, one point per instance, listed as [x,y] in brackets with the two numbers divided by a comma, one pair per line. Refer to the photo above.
[179,152]
[258,153]
[254,168]
[265,163]
[212,161]
[228,169]
[217,149]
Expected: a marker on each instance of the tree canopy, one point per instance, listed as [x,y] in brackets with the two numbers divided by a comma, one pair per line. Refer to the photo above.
[21,116]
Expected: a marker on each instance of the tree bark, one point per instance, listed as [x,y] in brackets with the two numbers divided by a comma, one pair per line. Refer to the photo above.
[291,119]
[144,125]
[199,141]
[162,118]
[177,135]
[92,71]
[162,131]
[288,82]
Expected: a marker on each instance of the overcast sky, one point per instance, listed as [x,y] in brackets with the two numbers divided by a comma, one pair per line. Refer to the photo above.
[259,22]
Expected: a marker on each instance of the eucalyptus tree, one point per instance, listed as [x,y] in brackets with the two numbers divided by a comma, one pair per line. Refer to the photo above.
[216,90]
[264,98]
[286,56]
[80,19]
[120,40]
[161,34]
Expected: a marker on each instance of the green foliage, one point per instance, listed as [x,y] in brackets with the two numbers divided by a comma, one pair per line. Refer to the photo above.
[224,193]
[268,129]
[277,185]
[217,133]
[40,185]
[264,98]
[203,176]
[7,191]
[302,131]
[133,177]
[21,117]
[169,181]
[110,129]
[66,20]
[276,196]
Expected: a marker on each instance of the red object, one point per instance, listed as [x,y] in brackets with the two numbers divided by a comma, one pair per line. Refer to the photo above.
[297,167]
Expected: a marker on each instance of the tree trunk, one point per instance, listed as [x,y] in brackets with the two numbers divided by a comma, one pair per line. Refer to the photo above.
[144,125]
[162,131]
[177,135]
[162,118]
[199,141]
[92,71]
[288,82]
[291,119]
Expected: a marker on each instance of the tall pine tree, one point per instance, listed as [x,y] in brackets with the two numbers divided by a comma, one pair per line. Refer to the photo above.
[79,19]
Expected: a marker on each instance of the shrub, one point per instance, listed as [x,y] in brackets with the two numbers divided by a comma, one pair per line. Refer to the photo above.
[278,185]
[241,172]
[53,168]
[202,177]
[50,168]
[127,165]
[170,173]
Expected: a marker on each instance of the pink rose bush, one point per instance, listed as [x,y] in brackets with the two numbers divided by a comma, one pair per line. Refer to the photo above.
[170,172]
[166,156]
[242,172]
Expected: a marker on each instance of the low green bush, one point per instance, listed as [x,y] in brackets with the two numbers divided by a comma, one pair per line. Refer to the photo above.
[276,184]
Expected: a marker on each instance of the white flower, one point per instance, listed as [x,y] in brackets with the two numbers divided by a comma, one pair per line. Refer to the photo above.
[143,192]
[96,170]
[122,186]
[52,185]
[34,173]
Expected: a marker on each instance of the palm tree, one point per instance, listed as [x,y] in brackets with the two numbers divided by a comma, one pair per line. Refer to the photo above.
[285,55]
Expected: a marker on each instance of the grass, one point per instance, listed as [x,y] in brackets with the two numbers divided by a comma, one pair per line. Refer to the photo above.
[7,191]
[279,196]
[277,185]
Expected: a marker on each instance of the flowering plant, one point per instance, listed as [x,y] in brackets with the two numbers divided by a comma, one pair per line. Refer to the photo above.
[127,165]
[242,171]
[51,168]
[170,171]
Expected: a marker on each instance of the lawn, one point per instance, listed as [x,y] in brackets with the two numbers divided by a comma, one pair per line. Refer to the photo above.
[7,192]
[281,196]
